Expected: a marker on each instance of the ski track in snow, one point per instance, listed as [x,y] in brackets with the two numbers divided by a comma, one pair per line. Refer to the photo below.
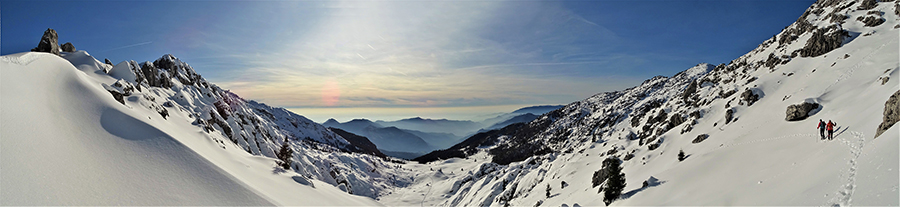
[430,186]
[845,193]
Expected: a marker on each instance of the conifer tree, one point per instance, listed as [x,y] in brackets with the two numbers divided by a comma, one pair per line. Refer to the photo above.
[284,155]
[681,155]
[616,181]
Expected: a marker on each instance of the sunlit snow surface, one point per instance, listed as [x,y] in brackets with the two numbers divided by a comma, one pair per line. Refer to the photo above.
[757,159]
[64,140]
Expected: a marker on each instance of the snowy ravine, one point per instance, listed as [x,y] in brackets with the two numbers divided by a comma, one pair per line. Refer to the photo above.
[842,55]
[76,131]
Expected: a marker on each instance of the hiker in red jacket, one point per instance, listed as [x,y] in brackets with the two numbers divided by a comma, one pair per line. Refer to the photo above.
[830,128]
[821,128]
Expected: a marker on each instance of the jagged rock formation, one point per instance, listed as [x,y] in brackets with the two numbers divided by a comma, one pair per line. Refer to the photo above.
[823,41]
[68,47]
[168,85]
[891,114]
[49,42]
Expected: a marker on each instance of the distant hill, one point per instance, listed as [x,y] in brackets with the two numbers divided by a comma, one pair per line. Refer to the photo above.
[456,127]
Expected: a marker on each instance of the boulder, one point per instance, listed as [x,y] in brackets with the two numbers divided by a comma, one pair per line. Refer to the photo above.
[49,42]
[799,112]
[700,138]
[729,114]
[689,91]
[749,96]
[68,47]
[891,114]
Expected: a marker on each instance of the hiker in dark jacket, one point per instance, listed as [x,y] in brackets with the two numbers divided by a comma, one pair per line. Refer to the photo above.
[830,128]
[821,128]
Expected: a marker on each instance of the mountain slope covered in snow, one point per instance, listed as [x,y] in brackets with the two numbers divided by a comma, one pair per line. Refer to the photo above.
[81,132]
[731,120]
[76,131]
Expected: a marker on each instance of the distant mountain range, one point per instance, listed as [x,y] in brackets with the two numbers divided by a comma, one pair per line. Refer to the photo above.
[413,137]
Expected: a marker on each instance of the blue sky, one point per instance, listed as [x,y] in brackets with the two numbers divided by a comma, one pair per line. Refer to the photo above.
[416,58]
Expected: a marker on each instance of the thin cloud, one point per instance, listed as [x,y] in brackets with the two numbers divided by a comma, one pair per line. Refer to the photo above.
[434,54]
[128,46]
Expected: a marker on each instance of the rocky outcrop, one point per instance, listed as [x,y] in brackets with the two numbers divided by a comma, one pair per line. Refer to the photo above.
[794,32]
[68,47]
[700,138]
[772,61]
[689,91]
[150,73]
[871,21]
[891,114]
[799,112]
[729,115]
[837,18]
[823,41]
[49,42]
[749,97]
[119,90]
[867,4]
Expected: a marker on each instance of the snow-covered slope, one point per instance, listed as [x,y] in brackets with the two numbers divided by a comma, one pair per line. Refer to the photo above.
[156,133]
[751,156]
[60,148]
[75,131]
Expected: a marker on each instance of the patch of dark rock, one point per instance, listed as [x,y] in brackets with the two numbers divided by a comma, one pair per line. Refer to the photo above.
[700,138]
[749,97]
[871,21]
[729,114]
[689,91]
[867,4]
[823,41]
[837,18]
[68,47]
[891,114]
[801,111]
[628,157]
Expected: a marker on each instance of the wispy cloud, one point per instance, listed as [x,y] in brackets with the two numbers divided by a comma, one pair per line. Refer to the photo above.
[128,46]
[427,54]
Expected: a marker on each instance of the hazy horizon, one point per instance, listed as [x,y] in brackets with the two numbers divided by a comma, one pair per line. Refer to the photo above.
[441,59]
[470,113]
